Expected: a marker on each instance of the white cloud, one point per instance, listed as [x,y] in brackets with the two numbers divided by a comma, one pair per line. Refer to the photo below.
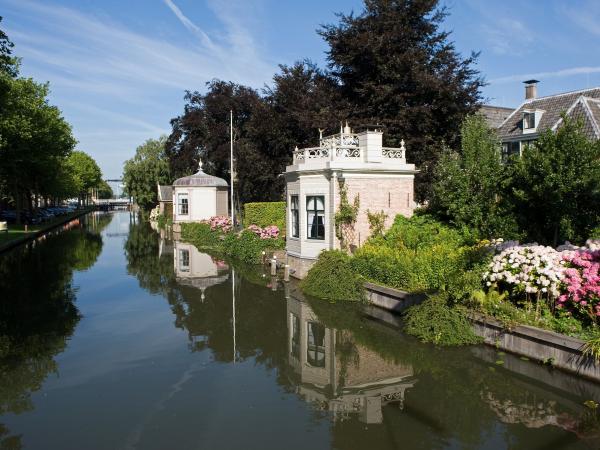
[102,72]
[573,71]
[586,16]
[508,36]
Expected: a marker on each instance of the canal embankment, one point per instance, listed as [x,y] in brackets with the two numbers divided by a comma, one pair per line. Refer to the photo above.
[553,349]
[20,237]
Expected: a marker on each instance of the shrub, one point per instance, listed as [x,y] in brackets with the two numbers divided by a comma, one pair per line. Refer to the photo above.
[200,234]
[248,247]
[332,278]
[581,280]
[263,214]
[270,232]
[436,322]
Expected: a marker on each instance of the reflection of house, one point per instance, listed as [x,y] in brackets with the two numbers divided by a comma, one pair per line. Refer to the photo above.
[339,375]
[197,269]
[199,197]
[378,176]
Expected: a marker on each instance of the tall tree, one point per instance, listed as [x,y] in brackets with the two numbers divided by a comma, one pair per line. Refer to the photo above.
[145,171]
[8,63]
[397,68]
[556,186]
[468,186]
[86,173]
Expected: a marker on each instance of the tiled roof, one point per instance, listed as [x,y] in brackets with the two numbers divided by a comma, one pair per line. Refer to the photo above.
[165,193]
[579,104]
[494,115]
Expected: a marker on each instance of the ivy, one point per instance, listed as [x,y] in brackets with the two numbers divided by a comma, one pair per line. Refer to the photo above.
[345,217]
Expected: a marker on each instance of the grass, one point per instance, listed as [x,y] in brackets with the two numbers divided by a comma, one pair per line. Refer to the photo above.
[16,232]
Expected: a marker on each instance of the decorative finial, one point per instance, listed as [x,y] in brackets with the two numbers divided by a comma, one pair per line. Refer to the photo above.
[347,128]
[321,133]
[402,147]
[341,128]
[296,148]
[200,166]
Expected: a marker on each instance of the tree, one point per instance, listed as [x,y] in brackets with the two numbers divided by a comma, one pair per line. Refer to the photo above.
[468,186]
[397,69]
[86,173]
[34,139]
[8,63]
[104,190]
[556,186]
[145,171]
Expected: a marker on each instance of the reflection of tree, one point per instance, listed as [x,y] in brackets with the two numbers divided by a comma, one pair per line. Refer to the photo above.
[37,314]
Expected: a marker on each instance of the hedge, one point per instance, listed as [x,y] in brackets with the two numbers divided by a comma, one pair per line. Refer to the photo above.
[264,214]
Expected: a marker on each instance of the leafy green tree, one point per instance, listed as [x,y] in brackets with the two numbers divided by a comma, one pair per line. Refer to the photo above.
[34,138]
[86,173]
[147,169]
[468,186]
[397,68]
[556,186]
[104,190]
[8,63]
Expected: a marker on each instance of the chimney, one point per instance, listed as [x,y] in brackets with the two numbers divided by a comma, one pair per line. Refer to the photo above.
[530,89]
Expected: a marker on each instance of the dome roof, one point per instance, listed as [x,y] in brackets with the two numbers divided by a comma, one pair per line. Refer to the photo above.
[200,179]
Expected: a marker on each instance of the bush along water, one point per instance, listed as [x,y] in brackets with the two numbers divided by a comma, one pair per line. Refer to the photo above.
[217,235]
[265,214]
[332,278]
[437,322]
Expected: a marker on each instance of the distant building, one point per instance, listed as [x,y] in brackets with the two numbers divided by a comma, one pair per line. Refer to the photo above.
[165,200]
[538,114]
[380,177]
[199,197]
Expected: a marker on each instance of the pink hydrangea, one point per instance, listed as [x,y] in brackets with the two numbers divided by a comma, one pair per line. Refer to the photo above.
[220,223]
[270,232]
[581,283]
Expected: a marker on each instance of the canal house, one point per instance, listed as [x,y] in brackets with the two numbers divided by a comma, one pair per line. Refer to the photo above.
[199,197]
[348,166]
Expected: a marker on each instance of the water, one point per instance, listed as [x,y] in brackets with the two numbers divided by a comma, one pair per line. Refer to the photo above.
[111,338]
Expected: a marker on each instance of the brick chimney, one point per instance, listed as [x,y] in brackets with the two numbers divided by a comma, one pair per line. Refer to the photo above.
[530,89]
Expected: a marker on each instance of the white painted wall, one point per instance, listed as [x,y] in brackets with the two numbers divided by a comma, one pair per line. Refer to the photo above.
[202,203]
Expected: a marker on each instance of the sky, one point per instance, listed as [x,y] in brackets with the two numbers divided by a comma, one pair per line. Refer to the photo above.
[119,69]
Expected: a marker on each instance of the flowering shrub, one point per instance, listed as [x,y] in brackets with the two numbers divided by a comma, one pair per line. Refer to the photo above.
[529,269]
[270,232]
[581,283]
[220,223]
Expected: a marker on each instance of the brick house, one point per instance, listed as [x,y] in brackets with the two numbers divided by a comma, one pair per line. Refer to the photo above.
[357,162]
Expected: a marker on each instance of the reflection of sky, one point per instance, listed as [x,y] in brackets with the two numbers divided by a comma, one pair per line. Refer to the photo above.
[128,380]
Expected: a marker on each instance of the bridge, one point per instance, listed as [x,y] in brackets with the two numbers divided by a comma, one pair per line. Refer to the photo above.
[112,203]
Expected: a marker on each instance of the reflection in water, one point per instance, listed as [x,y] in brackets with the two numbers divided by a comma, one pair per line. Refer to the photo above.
[336,374]
[213,359]
[37,310]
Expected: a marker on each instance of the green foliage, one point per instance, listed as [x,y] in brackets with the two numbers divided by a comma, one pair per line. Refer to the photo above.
[245,246]
[420,255]
[332,278]
[468,187]
[345,217]
[556,186]
[436,322]
[376,222]
[104,190]
[592,346]
[164,221]
[264,214]
[85,171]
[145,171]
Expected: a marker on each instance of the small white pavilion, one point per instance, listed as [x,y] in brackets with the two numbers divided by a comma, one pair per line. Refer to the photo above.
[379,176]
[199,197]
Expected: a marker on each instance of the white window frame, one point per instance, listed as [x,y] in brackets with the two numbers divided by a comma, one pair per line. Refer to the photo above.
[180,197]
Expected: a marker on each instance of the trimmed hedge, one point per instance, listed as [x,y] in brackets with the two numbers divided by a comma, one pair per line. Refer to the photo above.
[264,214]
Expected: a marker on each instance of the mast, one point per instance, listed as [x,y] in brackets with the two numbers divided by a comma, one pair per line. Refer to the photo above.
[231,166]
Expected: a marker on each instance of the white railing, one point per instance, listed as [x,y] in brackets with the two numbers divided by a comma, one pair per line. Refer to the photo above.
[393,153]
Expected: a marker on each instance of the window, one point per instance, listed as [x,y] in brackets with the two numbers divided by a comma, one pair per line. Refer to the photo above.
[295,216]
[295,336]
[315,351]
[184,260]
[509,149]
[182,203]
[315,215]
[528,120]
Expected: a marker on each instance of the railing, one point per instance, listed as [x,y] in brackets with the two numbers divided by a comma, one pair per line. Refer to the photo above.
[342,147]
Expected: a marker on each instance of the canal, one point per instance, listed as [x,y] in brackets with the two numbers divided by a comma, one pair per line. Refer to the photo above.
[114,338]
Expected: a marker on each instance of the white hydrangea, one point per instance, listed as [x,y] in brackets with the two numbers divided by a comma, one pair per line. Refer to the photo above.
[529,268]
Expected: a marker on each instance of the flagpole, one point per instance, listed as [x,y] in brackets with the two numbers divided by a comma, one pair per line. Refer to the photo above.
[233,309]
[231,166]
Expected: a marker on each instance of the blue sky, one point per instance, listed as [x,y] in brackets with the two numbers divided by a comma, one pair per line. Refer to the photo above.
[118,69]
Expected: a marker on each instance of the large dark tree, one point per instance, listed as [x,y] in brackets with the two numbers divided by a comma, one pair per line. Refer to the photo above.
[266,128]
[398,69]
